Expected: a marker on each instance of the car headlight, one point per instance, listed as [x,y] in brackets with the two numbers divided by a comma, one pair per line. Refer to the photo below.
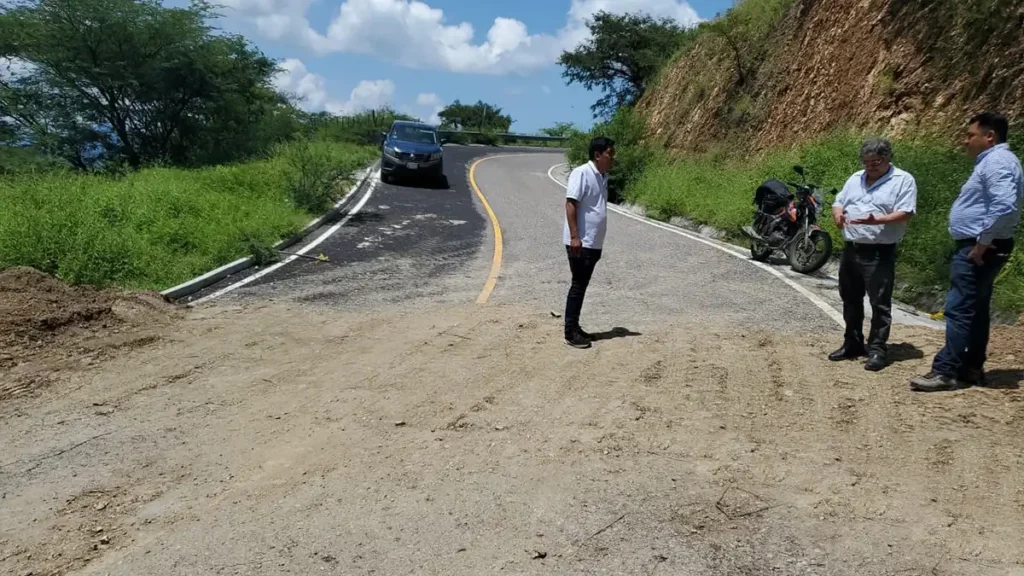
[435,156]
[392,152]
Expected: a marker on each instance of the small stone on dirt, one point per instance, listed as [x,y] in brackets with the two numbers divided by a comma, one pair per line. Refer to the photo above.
[105,540]
[400,423]
[97,529]
[101,506]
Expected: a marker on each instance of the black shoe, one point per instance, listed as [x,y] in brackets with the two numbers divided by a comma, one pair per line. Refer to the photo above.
[847,352]
[576,340]
[876,362]
[585,335]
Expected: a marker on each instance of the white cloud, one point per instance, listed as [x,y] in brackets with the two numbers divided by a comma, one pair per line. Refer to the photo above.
[308,87]
[429,99]
[311,90]
[433,103]
[11,68]
[367,95]
[416,35]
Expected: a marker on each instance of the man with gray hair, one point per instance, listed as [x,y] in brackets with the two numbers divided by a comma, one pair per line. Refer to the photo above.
[872,210]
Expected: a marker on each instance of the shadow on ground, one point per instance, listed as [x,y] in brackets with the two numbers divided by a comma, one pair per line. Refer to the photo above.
[361,218]
[424,183]
[615,333]
[904,352]
[1004,379]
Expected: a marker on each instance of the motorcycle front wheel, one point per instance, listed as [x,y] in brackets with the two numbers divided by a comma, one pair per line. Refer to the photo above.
[760,251]
[808,255]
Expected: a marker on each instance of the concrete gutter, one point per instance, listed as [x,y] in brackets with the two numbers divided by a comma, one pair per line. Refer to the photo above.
[213,276]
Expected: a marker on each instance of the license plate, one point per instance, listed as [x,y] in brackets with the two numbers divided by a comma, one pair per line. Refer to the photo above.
[412,165]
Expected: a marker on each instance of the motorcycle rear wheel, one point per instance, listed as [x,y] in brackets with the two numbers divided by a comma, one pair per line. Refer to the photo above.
[805,256]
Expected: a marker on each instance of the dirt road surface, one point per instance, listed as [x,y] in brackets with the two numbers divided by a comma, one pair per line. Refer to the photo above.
[365,416]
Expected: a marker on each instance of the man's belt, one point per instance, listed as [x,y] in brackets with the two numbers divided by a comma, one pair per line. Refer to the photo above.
[1000,244]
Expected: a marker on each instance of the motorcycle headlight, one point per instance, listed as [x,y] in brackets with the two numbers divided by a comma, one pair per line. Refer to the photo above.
[819,202]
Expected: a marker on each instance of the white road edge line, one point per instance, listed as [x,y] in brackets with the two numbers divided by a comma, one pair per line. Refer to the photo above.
[814,298]
[374,182]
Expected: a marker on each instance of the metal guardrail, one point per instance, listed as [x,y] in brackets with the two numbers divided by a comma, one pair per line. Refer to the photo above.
[502,137]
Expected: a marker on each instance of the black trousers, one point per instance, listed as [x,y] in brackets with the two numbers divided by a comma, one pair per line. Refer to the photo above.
[582,268]
[867,269]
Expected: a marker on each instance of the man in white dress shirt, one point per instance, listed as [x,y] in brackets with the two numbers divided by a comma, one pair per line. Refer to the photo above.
[872,210]
[586,220]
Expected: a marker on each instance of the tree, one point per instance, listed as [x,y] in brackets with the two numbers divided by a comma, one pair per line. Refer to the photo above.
[133,81]
[745,30]
[480,116]
[561,129]
[625,52]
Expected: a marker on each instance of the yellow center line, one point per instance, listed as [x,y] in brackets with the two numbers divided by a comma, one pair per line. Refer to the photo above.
[492,279]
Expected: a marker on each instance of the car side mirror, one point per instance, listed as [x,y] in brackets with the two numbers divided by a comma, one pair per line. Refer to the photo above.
[798,169]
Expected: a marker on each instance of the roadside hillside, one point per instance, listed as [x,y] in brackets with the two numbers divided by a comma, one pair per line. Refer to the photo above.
[780,72]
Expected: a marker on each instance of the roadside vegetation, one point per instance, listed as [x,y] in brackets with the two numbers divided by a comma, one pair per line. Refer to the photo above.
[140,147]
[716,186]
[157,227]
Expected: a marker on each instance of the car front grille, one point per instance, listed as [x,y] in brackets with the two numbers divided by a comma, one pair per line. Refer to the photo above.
[409,157]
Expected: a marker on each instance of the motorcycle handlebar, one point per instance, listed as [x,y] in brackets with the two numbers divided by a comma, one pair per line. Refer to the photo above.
[810,188]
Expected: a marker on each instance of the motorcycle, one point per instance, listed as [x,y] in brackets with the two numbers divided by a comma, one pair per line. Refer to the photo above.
[787,222]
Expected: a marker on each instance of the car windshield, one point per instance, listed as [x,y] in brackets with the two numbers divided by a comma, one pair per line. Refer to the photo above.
[415,135]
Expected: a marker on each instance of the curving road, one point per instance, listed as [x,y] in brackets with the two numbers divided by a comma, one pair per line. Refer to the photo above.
[647,277]
[412,244]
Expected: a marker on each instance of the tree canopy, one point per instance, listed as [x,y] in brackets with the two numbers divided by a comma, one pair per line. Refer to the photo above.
[134,82]
[623,55]
[561,129]
[480,116]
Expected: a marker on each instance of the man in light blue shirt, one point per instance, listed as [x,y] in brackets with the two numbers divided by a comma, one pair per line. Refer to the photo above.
[983,221]
[872,210]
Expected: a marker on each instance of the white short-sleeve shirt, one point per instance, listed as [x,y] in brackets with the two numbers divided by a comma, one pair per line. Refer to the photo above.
[896,191]
[590,190]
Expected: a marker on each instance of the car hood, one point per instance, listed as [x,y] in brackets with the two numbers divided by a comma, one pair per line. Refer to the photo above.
[413,147]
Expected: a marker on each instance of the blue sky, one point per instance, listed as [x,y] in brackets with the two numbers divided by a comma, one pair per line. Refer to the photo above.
[345,55]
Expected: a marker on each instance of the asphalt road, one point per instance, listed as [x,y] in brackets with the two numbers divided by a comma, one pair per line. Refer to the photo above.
[414,244]
[411,240]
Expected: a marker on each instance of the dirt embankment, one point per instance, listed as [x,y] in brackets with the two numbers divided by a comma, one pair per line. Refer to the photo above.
[48,327]
[895,66]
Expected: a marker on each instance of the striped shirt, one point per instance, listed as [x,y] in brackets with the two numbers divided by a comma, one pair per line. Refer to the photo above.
[988,206]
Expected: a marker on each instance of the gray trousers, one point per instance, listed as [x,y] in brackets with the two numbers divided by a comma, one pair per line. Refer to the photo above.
[867,269]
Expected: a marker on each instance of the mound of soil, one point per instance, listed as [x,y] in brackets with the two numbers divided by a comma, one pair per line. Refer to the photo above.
[42,319]
[34,307]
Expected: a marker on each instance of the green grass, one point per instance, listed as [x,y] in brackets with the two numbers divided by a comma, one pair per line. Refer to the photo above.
[718,190]
[156,228]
